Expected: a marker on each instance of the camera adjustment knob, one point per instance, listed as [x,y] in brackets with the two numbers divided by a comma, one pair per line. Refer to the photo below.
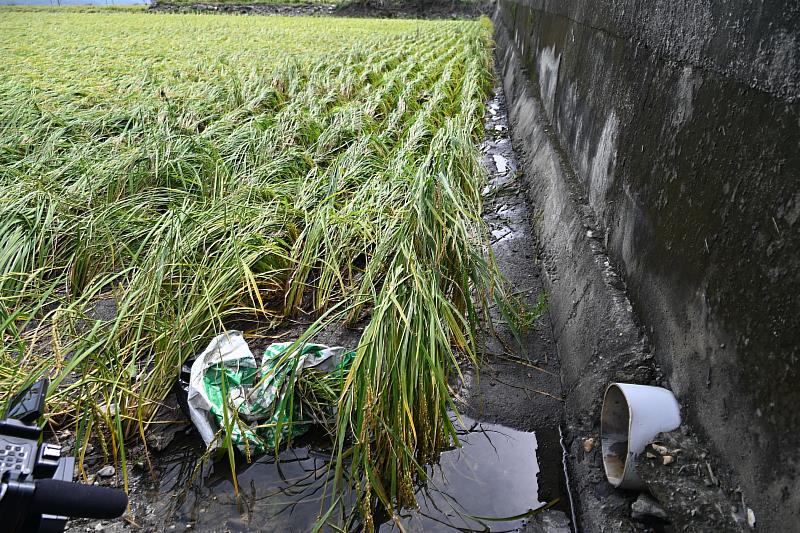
[47,460]
[51,452]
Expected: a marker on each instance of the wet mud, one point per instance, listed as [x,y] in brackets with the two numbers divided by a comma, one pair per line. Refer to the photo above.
[519,383]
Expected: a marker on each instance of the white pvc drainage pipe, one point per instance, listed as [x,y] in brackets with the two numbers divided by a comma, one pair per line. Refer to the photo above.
[631,418]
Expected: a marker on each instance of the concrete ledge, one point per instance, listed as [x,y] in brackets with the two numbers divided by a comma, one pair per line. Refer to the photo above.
[663,136]
[595,330]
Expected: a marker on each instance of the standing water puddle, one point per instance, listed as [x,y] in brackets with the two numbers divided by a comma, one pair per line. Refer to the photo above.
[493,475]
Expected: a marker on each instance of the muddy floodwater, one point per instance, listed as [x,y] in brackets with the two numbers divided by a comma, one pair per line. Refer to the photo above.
[493,475]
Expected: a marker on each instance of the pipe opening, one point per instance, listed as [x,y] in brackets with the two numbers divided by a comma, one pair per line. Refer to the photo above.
[615,423]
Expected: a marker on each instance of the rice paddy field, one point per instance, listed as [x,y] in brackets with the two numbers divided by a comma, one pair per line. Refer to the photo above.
[165,176]
[250,2]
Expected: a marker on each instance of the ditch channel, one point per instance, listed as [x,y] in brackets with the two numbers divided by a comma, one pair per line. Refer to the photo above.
[510,462]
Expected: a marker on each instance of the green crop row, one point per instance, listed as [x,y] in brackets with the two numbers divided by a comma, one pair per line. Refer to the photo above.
[162,177]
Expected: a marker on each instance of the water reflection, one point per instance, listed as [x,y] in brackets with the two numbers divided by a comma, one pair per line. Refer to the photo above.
[493,475]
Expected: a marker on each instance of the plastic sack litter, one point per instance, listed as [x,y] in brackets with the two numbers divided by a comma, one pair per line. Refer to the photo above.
[226,375]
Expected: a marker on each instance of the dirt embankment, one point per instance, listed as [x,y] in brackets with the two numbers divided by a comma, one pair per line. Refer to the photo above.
[246,9]
[368,9]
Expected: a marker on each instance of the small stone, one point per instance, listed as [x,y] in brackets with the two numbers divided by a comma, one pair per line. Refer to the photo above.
[712,478]
[108,408]
[99,527]
[107,471]
[660,450]
[645,507]
[667,459]
[751,518]
[588,444]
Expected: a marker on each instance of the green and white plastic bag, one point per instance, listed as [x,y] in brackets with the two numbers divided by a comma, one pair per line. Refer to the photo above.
[226,375]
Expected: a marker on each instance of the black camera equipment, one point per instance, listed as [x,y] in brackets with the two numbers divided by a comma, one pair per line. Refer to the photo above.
[36,489]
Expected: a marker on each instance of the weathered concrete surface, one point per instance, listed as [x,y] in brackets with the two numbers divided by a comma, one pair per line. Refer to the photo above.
[591,317]
[666,134]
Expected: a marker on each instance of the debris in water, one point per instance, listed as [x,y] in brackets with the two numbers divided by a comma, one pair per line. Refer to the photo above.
[226,376]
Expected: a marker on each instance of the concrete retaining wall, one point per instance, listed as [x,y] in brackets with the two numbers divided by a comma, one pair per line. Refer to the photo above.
[661,141]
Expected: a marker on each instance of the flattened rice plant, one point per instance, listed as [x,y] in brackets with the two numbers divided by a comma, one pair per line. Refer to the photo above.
[159,183]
